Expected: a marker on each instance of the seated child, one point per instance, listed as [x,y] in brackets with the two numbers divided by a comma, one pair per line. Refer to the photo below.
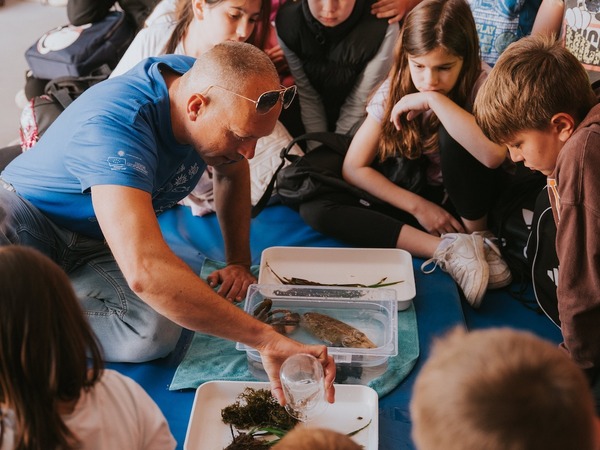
[50,397]
[333,65]
[422,114]
[576,23]
[499,389]
[539,103]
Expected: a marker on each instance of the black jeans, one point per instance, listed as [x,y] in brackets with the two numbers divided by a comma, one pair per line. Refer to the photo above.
[471,187]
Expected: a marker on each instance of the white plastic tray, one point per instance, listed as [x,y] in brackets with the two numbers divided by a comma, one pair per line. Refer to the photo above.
[342,265]
[355,405]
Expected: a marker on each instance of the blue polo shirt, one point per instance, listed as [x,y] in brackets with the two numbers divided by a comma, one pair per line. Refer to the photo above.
[117,132]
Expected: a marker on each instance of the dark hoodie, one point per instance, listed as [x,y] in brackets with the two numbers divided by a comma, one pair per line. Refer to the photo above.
[577,214]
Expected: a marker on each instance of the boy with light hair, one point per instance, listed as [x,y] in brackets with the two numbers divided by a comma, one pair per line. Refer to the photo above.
[304,438]
[538,102]
[500,389]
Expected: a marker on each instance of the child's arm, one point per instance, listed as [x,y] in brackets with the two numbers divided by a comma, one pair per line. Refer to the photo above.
[353,109]
[357,171]
[311,104]
[459,123]
[549,17]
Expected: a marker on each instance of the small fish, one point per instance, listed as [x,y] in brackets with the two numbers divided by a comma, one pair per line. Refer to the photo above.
[334,332]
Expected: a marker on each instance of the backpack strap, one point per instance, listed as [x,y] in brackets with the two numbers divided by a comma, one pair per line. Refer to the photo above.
[66,89]
[337,142]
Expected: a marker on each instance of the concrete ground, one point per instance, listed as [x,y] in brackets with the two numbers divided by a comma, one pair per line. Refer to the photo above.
[21,24]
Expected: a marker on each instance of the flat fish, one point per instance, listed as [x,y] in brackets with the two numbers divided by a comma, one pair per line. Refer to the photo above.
[334,332]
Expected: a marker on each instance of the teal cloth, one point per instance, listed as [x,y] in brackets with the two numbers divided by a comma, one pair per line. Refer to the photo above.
[210,358]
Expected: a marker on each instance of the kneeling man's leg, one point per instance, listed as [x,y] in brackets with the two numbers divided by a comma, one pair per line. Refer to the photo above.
[128,329]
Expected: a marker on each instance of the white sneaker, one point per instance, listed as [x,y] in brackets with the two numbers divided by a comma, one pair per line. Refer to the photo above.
[500,275]
[463,257]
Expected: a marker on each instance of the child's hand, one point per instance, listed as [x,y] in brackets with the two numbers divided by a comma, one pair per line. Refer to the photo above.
[412,105]
[278,58]
[436,220]
[393,10]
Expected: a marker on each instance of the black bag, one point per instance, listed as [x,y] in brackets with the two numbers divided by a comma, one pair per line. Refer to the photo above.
[42,110]
[406,173]
[78,51]
[511,218]
[319,172]
[541,253]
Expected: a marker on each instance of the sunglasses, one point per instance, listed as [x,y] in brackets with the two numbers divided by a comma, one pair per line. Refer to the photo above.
[267,100]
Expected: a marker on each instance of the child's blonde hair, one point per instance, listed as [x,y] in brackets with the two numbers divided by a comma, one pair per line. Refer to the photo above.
[500,389]
[432,24]
[534,79]
[302,438]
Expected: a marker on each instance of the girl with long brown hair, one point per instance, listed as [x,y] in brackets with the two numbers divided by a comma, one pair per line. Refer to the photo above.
[54,391]
[196,26]
[421,116]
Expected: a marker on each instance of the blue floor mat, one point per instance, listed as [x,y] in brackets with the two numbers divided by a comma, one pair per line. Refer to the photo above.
[437,304]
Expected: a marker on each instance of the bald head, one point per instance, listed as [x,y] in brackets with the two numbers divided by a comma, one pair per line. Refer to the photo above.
[214,104]
[232,65]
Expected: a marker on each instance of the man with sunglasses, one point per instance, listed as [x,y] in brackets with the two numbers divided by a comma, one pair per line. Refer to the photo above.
[129,148]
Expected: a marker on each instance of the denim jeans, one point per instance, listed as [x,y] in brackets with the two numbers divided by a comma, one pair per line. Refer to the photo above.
[127,328]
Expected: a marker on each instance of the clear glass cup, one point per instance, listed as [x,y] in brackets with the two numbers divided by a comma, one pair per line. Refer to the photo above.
[303,383]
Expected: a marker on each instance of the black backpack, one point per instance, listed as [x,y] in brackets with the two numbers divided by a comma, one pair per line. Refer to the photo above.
[319,171]
[541,253]
[512,216]
[78,51]
[42,110]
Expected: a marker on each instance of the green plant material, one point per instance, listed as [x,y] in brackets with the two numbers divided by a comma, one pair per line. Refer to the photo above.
[304,282]
[247,441]
[257,411]
[257,408]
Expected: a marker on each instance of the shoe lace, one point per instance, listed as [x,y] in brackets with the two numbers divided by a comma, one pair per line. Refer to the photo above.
[492,245]
[436,260]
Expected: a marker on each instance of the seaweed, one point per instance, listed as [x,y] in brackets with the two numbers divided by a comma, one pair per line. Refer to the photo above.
[304,282]
[257,411]
[256,408]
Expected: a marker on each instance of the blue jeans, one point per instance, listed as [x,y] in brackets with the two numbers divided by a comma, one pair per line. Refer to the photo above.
[128,329]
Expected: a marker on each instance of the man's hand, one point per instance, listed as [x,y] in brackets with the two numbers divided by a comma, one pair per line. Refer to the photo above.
[279,348]
[233,279]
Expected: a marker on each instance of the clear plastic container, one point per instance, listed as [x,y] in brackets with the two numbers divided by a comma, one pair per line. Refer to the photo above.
[372,311]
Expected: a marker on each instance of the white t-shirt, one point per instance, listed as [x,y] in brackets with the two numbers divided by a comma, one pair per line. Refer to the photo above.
[150,41]
[116,414]
[164,11]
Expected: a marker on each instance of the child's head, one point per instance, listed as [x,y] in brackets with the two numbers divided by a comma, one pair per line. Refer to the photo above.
[438,49]
[44,343]
[303,438]
[501,389]
[439,43]
[331,13]
[533,99]
[216,21]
